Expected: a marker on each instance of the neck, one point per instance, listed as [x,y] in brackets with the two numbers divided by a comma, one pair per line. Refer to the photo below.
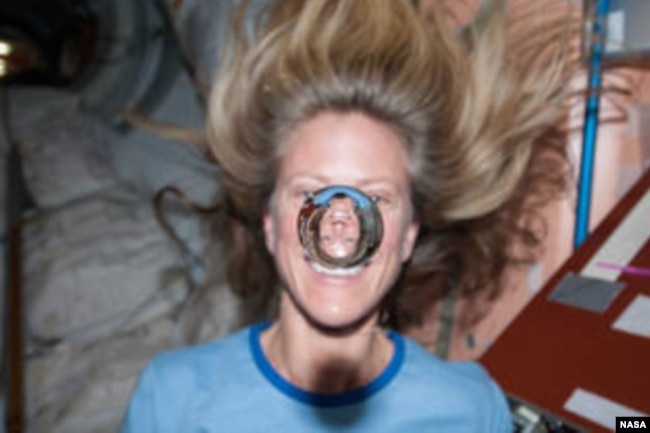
[326,361]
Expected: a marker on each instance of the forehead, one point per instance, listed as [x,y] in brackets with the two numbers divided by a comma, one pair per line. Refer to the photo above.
[346,148]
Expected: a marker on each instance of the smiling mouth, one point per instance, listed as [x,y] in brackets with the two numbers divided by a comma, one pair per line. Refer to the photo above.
[336,272]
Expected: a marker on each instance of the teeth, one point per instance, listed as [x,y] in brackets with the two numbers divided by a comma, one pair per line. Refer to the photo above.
[340,215]
[339,272]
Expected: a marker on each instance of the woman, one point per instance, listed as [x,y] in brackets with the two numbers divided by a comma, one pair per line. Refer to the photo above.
[439,130]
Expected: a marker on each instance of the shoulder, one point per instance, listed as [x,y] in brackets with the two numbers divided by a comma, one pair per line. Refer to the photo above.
[181,386]
[463,390]
[468,374]
[188,365]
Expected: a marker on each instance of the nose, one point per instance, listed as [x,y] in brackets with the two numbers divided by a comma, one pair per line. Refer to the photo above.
[339,229]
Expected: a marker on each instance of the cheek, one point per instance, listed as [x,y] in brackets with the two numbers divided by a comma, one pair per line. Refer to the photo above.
[280,230]
[399,235]
[270,234]
[410,235]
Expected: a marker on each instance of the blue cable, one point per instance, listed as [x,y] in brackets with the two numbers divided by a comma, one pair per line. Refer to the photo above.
[599,30]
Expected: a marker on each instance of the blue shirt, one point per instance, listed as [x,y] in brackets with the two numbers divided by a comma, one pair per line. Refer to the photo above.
[229,386]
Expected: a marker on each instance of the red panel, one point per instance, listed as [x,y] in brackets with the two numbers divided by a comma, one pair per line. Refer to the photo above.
[551,349]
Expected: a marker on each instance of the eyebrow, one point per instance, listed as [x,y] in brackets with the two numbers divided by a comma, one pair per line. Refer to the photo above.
[327,181]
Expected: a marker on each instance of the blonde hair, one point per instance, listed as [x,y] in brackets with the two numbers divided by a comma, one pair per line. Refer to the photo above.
[479,111]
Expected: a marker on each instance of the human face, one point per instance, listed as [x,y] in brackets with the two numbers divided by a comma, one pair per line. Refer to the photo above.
[343,149]
[339,228]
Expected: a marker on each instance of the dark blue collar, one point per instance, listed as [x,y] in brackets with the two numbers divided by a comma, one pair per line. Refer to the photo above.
[325,400]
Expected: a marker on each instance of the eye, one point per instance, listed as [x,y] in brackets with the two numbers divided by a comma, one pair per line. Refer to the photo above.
[380,199]
[301,193]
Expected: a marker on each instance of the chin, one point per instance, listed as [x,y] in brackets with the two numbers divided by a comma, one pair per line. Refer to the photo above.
[341,325]
[335,301]
[339,315]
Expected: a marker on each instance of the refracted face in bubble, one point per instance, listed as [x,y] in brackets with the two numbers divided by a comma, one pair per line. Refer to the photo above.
[339,228]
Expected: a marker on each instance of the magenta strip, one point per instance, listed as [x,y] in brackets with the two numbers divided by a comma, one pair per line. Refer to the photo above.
[633,270]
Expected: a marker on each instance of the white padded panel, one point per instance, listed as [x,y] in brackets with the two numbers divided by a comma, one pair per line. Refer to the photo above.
[98,265]
[63,151]
[85,387]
